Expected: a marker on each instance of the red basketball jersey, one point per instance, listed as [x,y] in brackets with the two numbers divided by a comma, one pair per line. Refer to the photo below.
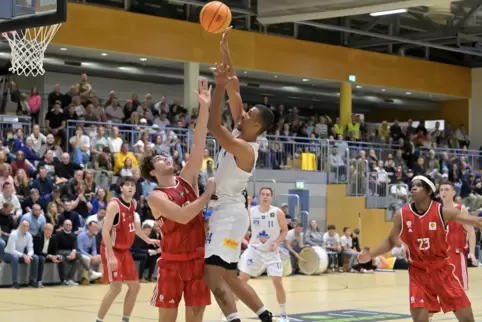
[123,230]
[425,235]
[457,237]
[178,238]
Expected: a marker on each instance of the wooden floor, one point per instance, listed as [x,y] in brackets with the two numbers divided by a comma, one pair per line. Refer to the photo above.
[349,297]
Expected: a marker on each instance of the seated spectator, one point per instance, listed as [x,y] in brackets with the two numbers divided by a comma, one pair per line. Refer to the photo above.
[206,158]
[313,236]
[70,189]
[347,248]
[31,200]
[7,225]
[7,195]
[29,152]
[38,139]
[50,145]
[20,250]
[5,176]
[90,185]
[115,141]
[67,248]
[104,168]
[99,201]
[21,163]
[121,157]
[354,239]
[54,197]
[98,217]
[98,141]
[48,163]
[331,240]
[71,216]
[45,248]
[294,244]
[22,185]
[126,170]
[141,251]
[65,169]
[82,205]
[52,215]
[87,247]
[35,219]
[43,183]
[80,147]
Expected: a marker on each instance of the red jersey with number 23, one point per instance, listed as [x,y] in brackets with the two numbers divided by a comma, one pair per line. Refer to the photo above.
[457,237]
[123,230]
[424,234]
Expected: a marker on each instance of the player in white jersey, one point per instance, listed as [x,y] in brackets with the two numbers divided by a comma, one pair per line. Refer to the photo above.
[229,220]
[268,230]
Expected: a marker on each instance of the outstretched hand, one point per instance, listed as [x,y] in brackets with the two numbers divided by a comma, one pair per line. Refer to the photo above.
[204,93]
[220,72]
[223,44]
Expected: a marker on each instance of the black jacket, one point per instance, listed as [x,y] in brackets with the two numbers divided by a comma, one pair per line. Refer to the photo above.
[38,245]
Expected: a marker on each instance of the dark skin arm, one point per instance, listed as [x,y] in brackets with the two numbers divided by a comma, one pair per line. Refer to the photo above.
[243,152]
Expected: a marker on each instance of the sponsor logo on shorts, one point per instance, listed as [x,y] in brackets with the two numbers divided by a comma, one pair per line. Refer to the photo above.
[161,298]
[230,243]
[171,301]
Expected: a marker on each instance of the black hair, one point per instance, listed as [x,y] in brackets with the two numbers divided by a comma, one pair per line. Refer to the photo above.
[266,188]
[266,117]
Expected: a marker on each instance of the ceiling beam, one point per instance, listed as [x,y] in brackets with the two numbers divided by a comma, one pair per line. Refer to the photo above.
[391,38]
[472,12]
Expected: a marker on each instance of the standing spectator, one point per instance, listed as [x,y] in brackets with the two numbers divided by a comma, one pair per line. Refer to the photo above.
[87,247]
[354,239]
[140,251]
[55,96]
[55,122]
[35,219]
[7,225]
[34,101]
[294,244]
[114,112]
[20,250]
[45,248]
[154,251]
[67,248]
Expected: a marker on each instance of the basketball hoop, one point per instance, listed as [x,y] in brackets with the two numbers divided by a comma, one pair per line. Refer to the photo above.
[28,49]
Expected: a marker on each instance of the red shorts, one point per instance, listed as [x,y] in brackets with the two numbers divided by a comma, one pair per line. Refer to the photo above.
[126,267]
[461,271]
[178,278]
[436,289]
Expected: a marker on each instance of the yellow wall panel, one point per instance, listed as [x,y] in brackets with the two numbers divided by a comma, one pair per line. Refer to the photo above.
[342,211]
[121,31]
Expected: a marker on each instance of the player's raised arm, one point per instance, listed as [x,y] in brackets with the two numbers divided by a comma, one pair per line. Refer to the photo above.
[450,213]
[239,148]
[162,206]
[387,244]
[191,170]
[233,89]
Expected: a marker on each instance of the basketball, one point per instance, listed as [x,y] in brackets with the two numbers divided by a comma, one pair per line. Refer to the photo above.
[215,17]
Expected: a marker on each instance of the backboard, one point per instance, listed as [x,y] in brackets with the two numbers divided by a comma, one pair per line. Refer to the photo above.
[23,14]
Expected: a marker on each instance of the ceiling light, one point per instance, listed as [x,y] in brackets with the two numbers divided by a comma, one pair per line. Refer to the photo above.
[143,59]
[275,76]
[245,73]
[104,54]
[305,79]
[358,86]
[408,93]
[63,49]
[383,90]
[387,12]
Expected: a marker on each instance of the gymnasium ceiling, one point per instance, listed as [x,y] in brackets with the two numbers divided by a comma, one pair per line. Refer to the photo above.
[438,30]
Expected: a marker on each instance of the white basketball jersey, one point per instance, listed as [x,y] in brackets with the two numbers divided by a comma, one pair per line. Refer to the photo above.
[231,181]
[265,228]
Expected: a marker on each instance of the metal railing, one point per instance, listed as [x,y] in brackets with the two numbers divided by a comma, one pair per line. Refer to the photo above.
[377,189]
[399,195]
[9,123]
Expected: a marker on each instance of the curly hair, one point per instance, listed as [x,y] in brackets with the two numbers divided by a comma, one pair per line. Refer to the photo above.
[147,166]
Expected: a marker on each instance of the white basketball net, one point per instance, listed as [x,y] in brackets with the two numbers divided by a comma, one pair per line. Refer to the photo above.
[28,49]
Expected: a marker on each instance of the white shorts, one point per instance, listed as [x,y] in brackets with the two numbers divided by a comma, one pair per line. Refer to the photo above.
[255,262]
[227,226]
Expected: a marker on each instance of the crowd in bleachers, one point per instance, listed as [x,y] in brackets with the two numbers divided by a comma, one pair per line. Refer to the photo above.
[56,179]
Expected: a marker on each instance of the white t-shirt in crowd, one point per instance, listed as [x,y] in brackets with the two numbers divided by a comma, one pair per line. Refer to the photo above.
[331,240]
[84,142]
[290,237]
[346,242]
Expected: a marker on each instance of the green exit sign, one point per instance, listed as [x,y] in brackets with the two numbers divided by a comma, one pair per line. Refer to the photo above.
[300,185]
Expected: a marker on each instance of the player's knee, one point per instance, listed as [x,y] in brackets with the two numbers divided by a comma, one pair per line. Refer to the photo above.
[277,282]
[115,288]
[134,286]
[244,276]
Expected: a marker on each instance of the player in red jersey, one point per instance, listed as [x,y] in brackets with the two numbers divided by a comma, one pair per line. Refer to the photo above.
[458,236]
[422,227]
[178,209]
[118,233]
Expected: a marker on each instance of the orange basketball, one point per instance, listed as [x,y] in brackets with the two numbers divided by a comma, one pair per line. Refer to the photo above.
[215,17]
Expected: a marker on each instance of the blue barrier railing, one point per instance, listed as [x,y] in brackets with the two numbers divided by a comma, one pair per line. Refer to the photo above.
[13,122]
